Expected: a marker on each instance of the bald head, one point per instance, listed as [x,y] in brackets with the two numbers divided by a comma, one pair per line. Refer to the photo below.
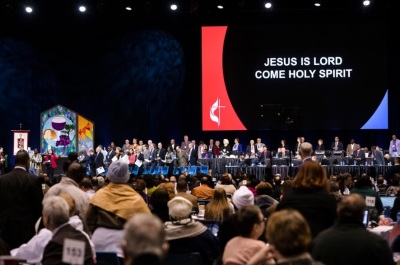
[75,172]
[22,159]
[306,150]
[351,207]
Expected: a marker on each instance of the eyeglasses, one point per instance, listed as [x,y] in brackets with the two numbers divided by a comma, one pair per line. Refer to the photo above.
[263,220]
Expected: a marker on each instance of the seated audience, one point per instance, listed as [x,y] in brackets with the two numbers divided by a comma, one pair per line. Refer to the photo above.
[347,242]
[158,204]
[263,197]
[186,235]
[226,184]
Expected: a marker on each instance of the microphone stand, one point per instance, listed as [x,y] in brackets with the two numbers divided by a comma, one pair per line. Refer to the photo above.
[289,122]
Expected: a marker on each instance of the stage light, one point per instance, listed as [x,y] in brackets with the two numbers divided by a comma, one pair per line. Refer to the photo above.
[268,5]
[82,8]
[220,4]
[128,8]
[366,2]
[317,3]
[28,9]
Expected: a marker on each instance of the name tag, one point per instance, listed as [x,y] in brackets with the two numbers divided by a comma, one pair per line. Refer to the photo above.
[370,201]
[73,251]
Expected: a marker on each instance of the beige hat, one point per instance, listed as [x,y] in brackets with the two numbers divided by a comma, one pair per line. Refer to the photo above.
[179,208]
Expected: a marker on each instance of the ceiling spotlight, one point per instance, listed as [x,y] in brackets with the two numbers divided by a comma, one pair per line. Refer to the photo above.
[28,9]
[366,2]
[128,8]
[318,3]
[220,6]
[82,8]
[174,7]
[268,5]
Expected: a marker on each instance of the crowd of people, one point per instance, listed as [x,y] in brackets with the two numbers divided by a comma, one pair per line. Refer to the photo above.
[146,219]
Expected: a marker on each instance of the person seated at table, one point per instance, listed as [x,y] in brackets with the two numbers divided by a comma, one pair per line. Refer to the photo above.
[252,153]
[227,184]
[226,148]
[358,156]
[320,146]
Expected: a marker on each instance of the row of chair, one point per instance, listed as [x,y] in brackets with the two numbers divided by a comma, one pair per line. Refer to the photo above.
[150,170]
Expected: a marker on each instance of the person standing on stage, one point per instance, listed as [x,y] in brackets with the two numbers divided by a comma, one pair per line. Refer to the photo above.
[394,147]
[83,157]
[35,162]
[50,161]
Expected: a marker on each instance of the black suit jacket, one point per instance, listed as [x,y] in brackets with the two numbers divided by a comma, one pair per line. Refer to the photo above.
[99,160]
[110,156]
[248,149]
[54,249]
[192,158]
[340,146]
[263,157]
[20,206]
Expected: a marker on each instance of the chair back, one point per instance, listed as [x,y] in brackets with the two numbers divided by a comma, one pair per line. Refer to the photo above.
[192,258]
[135,170]
[107,258]
[164,170]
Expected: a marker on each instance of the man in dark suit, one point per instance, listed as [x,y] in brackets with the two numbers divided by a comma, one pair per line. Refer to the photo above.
[264,155]
[99,160]
[337,145]
[377,155]
[192,155]
[110,154]
[172,145]
[20,202]
[160,158]
[152,157]
[359,156]
[55,218]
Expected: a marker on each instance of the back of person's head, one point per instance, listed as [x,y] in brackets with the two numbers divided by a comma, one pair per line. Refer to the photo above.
[311,175]
[277,179]
[288,232]
[226,179]
[351,208]
[149,181]
[75,172]
[55,211]
[181,186]
[71,203]
[287,186]
[139,185]
[363,181]
[306,149]
[22,158]
[254,182]
[118,172]
[170,187]
[245,219]
[204,181]
[397,160]
[395,180]
[264,188]
[242,197]
[179,208]
[333,186]
[380,180]
[144,235]
[86,183]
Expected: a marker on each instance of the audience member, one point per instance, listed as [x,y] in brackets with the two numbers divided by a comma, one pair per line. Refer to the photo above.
[203,192]
[347,241]
[250,224]
[363,187]
[20,202]
[226,184]
[289,238]
[311,198]
[158,204]
[111,207]
[55,219]
[144,240]
[87,186]
[181,187]
[69,184]
[263,197]
[185,235]
[219,208]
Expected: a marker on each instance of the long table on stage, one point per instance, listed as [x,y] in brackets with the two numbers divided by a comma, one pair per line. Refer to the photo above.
[230,165]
